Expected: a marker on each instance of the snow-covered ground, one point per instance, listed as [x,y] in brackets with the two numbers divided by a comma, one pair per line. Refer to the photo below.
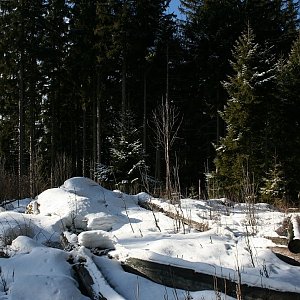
[235,241]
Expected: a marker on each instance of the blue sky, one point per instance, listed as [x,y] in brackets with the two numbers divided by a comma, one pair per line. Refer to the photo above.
[174,6]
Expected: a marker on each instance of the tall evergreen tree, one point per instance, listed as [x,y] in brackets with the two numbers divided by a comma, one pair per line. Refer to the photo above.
[289,120]
[58,136]
[210,29]
[81,64]
[21,81]
[243,150]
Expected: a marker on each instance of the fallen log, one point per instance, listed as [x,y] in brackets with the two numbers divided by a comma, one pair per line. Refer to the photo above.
[176,216]
[91,281]
[190,280]
[285,255]
[294,235]
[90,277]
[86,282]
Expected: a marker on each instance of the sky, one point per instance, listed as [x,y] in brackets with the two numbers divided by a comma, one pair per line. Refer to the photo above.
[174,4]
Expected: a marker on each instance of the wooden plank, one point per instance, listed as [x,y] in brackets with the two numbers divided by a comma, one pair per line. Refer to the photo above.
[190,280]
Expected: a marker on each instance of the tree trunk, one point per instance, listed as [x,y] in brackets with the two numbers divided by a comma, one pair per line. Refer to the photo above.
[32,174]
[98,135]
[145,114]
[123,86]
[83,140]
[21,105]
[190,280]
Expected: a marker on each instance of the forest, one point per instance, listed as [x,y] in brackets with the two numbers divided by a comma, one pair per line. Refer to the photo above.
[124,92]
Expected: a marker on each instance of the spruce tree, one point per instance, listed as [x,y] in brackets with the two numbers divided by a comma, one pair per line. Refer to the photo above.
[273,189]
[210,29]
[57,111]
[21,83]
[289,120]
[243,150]
[126,151]
[82,67]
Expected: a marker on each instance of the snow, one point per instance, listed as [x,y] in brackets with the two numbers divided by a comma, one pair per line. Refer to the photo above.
[96,239]
[90,216]
[296,229]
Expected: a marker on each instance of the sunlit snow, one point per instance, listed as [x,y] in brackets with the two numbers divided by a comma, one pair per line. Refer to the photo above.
[38,267]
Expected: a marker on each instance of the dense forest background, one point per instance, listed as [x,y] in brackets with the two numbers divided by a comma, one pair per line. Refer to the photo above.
[126,93]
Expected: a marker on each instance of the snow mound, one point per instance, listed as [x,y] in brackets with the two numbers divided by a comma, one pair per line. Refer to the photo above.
[85,187]
[13,225]
[100,221]
[143,197]
[44,287]
[82,203]
[69,207]
[97,239]
[24,244]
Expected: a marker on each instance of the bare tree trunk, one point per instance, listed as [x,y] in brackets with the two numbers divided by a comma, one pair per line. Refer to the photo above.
[145,114]
[21,105]
[98,137]
[52,148]
[83,140]
[167,131]
[123,86]
[32,149]
[95,113]
[167,123]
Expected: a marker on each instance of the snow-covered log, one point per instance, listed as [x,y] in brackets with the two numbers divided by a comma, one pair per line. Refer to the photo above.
[91,278]
[294,235]
[188,279]
[86,282]
[176,216]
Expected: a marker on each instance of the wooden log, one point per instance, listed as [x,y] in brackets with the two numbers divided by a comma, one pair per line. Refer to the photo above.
[294,241]
[191,223]
[86,282]
[294,246]
[285,255]
[190,280]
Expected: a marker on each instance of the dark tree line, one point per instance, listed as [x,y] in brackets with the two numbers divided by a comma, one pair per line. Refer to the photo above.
[80,80]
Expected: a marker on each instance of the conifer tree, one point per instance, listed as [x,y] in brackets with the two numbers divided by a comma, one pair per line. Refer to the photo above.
[21,82]
[242,150]
[81,64]
[273,189]
[58,112]
[126,150]
[210,29]
[289,120]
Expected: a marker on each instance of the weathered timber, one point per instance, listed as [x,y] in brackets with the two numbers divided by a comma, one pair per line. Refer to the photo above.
[294,241]
[86,282]
[176,216]
[285,255]
[294,246]
[190,280]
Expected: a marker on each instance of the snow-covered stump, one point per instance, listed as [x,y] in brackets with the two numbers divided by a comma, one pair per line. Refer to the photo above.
[188,279]
[294,235]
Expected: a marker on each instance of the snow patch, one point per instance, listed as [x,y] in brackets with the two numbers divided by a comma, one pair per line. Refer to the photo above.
[24,244]
[97,239]
[100,221]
